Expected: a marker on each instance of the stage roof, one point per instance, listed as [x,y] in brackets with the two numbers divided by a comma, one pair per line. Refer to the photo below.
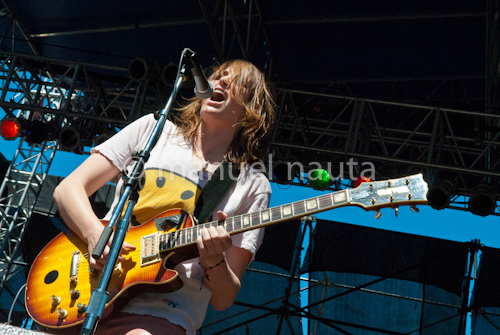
[401,51]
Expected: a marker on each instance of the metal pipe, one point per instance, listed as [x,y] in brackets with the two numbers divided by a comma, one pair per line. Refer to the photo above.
[391,159]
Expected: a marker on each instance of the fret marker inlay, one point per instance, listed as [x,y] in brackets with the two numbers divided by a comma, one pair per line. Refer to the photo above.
[338,197]
[287,210]
[265,215]
[311,204]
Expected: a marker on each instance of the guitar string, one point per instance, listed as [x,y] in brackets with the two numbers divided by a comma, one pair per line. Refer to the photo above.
[297,205]
[137,253]
[239,218]
[137,242]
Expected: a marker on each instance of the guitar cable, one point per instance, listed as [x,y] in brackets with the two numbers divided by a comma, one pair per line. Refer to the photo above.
[14,303]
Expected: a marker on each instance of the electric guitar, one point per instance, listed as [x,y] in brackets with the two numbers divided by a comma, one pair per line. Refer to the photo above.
[61,282]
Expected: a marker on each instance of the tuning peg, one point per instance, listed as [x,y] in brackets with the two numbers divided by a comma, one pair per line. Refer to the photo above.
[396,211]
[378,214]
[414,208]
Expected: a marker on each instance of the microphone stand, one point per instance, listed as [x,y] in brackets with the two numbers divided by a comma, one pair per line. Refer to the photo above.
[131,190]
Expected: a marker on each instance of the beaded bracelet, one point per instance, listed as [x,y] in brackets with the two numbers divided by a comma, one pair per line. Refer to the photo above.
[210,268]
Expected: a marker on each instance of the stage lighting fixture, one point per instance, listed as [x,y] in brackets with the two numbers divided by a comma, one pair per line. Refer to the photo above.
[72,138]
[169,74]
[39,131]
[319,179]
[482,200]
[360,180]
[12,128]
[36,131]
[139,70]
[439,194]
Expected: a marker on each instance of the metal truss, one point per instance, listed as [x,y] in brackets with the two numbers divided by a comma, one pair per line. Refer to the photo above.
[76,93]
[239,29]
[396,139]
[20,190]
[311,127]
[34,88]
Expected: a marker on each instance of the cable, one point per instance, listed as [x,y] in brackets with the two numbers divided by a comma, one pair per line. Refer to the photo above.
[14,303]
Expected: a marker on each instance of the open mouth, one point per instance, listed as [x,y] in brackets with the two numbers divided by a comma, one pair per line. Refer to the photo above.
[217,96]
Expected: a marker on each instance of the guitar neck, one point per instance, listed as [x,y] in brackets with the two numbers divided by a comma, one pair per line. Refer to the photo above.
[409,190]
[244,222]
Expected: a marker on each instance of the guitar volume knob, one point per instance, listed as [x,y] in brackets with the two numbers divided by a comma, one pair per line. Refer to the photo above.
[55,300]
[62,313]
[81,308]
[75,294]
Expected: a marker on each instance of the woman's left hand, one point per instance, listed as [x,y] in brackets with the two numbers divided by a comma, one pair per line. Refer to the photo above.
[212,243]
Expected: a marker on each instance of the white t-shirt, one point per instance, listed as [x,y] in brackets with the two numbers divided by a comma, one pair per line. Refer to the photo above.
[173,182]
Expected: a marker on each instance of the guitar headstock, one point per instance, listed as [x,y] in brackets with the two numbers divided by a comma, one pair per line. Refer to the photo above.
[373,195]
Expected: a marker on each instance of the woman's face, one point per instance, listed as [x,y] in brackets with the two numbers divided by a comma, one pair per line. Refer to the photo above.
[222,108]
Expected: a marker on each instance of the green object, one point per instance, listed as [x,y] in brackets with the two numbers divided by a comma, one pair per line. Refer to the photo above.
[320,178]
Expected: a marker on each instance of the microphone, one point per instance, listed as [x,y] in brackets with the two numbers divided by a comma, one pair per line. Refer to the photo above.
[203,89]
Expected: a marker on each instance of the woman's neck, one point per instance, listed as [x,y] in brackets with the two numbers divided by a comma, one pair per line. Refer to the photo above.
[212,142]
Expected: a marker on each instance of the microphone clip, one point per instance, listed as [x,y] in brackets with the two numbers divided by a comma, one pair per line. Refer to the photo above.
[203,89]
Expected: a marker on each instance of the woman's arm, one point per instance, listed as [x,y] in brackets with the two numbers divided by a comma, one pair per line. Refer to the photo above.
[223,265]
[72,199]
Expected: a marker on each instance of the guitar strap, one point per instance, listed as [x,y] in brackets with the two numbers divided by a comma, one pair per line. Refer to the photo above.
[215,191]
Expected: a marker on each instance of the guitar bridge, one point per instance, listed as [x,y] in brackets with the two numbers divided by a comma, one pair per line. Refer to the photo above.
[150,252]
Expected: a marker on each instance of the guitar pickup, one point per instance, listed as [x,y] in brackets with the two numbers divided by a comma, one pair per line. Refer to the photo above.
[150,252]
[75,262]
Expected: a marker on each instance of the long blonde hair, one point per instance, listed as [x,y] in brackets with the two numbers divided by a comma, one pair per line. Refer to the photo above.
[248,145]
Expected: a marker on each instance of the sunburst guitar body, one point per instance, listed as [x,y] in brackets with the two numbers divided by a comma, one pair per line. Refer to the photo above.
[60,282]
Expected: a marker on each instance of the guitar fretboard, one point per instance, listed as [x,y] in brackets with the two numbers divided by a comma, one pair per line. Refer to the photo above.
[249,221]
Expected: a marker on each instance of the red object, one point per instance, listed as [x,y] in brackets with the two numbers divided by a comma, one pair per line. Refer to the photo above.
[360,180]
[10,129]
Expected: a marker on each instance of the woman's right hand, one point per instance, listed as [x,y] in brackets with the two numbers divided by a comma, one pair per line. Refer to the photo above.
[99,264]
[72,199]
